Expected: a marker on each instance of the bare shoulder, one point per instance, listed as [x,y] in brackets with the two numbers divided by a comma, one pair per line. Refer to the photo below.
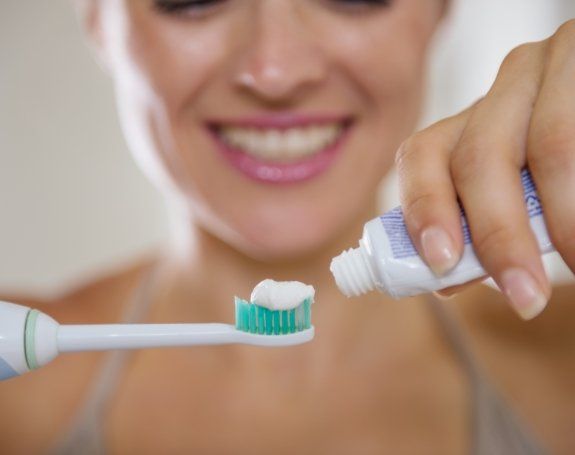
[43,402]
[493,325]
[98,300]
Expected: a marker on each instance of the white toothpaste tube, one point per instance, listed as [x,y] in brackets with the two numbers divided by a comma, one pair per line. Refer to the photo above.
[387,260]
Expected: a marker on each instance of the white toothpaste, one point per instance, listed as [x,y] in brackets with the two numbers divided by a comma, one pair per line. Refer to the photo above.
[388,261]
[281,295]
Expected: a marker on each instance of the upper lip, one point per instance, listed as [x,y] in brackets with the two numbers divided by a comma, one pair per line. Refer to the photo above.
[279,121]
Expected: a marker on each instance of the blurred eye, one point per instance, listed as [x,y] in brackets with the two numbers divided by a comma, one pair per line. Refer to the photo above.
[186,6]
[361,4]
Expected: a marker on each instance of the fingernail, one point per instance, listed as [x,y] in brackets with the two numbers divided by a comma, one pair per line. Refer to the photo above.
[525,295]
[439,250]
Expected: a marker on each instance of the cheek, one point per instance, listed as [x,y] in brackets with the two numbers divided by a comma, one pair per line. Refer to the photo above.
[161,68]
[175,61]
[385,58]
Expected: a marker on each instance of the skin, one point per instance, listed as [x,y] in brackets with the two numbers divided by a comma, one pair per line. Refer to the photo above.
[379,376]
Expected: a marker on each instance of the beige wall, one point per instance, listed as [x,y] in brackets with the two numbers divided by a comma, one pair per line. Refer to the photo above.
[71,200]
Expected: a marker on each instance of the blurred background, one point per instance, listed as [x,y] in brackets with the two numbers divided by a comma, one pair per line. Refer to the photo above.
[72,202]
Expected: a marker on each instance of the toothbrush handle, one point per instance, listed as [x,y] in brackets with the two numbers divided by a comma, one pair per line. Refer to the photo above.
[76,338]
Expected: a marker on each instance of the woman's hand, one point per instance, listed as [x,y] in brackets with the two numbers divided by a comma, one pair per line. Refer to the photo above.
[526,119]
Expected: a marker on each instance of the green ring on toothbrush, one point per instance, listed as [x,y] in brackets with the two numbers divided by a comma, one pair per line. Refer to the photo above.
[30,339]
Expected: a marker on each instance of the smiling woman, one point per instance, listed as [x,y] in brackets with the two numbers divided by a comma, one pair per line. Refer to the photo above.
[304,69]
[268,125]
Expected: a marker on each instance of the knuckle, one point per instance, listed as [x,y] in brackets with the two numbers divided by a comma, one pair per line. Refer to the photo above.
[495,241]
[552,146]
[561,43]
[422,143]
[415,207]
[409,150]
[566,31]
[412,206]
[468,159]
[518,56]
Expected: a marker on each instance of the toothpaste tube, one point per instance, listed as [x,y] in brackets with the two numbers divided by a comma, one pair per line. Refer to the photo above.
[387,260]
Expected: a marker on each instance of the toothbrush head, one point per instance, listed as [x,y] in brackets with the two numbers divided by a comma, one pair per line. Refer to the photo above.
[255,319]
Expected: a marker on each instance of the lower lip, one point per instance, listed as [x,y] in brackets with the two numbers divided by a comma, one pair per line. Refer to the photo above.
[278,173]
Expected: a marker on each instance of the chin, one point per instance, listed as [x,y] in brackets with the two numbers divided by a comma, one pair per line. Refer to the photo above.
[287,240]
[289,251]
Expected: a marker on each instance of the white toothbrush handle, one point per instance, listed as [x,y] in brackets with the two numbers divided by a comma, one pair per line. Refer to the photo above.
[30,339]
[75,338]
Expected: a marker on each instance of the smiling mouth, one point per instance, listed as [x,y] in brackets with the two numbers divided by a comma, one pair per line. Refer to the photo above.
[281,148]
[286,145]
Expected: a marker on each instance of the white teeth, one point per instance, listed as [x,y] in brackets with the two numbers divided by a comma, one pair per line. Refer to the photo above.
[281,145]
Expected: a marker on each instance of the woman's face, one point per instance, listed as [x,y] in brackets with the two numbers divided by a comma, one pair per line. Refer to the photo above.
[272,120]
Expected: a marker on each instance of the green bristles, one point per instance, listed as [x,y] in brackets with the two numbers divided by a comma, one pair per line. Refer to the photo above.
[256,319]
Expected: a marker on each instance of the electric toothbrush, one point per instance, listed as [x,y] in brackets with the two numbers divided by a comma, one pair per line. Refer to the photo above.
[30,339]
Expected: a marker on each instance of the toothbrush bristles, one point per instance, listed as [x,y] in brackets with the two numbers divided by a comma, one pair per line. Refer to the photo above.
[252,318]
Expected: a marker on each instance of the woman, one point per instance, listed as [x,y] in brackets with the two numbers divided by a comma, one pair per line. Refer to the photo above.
[268,125]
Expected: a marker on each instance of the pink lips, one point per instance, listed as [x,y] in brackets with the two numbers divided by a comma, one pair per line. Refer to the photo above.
[272,172]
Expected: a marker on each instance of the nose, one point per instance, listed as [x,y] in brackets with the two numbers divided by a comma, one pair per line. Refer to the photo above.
[279,59]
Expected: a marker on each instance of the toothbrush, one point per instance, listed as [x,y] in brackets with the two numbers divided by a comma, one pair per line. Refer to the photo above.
[30,339]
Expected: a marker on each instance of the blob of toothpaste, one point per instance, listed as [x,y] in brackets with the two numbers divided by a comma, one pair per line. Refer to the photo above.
[281,295]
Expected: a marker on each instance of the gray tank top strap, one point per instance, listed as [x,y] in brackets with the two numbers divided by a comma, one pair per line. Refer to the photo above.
[496,428]
[85,434]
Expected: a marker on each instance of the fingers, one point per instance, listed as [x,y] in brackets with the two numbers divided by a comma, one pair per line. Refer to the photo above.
[551,143]
[527,118]
[485,168]
[428,199]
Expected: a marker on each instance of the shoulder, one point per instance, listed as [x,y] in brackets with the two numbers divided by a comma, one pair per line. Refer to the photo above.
[96,300]
[42,402]
[486,313]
